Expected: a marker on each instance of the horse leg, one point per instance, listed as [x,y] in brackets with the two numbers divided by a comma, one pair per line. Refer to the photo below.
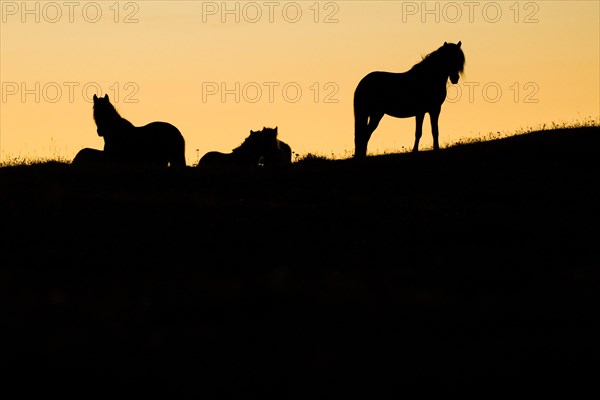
[360,143]
[418,131]
[374,120]
[373,123]
[434,117]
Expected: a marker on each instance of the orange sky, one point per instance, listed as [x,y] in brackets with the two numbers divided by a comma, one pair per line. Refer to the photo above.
[294,65]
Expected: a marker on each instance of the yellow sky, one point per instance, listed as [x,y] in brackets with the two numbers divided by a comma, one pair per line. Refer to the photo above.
[217,70]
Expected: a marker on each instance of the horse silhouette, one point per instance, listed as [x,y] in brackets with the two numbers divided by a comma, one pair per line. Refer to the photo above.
[413,93]
[276,152]
[155,144]
[89,158]
[259,148]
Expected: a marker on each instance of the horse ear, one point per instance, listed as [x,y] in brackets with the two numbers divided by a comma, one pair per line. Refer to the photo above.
[459,43]
[106,96]
[445,43]
[95,97]
[271,134]
[275,129]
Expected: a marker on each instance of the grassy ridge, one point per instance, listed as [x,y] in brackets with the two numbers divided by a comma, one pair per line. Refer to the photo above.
[470,269]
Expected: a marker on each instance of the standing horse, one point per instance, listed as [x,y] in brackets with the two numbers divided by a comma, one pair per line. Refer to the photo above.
[157,143]
[260,148]
[413,93]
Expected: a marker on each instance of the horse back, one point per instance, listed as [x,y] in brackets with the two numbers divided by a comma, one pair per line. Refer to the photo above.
[89,158]
[400,94]
[161,142]
[161,132]
[214,158]
[285,151]
[386,85]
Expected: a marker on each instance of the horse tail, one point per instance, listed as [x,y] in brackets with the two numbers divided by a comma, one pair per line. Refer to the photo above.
[361,120]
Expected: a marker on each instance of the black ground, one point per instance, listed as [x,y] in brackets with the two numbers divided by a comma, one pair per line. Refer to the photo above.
[473,270]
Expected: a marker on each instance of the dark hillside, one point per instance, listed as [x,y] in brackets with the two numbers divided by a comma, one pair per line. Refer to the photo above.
[473,270]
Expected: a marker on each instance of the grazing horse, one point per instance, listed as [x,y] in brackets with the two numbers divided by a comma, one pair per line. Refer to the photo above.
[259,148]
[155,144]
[413,93]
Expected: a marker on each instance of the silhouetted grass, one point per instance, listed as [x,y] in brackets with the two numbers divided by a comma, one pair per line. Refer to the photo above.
[474,269]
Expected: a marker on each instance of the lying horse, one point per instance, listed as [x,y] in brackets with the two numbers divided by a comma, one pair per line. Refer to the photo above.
[89,158]
[276,152]
[260,148]
[155,144]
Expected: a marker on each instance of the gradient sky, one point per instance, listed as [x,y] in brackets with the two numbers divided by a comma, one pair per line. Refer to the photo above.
[216,70]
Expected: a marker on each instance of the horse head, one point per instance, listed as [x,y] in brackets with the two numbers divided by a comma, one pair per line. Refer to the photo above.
[102,110]
[454,59]
[275,151]
[270,144]
[251,149]
[261,146]
[270,135]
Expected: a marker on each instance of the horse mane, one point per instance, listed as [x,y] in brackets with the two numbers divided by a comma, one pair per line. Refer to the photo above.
[433,58]
[256,139]
[250,144]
